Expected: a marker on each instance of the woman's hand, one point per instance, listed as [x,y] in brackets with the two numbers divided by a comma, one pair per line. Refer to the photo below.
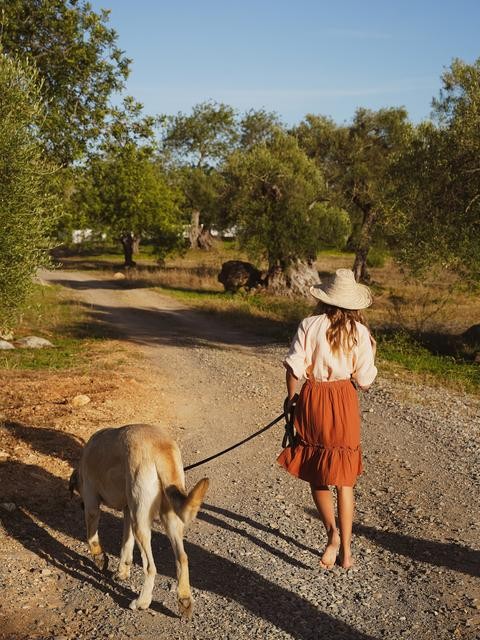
[373,342]
[289,403]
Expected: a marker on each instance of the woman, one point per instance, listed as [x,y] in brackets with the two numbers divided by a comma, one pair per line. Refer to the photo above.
[332,349]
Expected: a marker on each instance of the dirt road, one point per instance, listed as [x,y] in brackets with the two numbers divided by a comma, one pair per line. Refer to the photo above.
[254,550]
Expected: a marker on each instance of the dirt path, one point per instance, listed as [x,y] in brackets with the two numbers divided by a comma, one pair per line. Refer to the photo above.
[254,550]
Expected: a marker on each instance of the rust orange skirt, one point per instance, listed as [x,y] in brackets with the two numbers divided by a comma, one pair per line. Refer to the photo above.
[327,443]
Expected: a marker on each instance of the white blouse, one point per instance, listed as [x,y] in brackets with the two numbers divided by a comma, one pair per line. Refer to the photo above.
[310,355]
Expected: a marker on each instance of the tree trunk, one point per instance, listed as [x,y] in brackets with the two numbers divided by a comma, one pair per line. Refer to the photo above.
[128,243]
[136,244]
[363,246]
[295,278]
[195,229]
[199,236]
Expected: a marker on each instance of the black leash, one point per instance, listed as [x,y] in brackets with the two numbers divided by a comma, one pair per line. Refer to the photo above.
[234,446]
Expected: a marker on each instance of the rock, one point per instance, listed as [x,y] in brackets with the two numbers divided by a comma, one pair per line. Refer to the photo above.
[236,274]
[119,276]
[5,345]
[472,335]
[33,342]
[8,506]
[80,400]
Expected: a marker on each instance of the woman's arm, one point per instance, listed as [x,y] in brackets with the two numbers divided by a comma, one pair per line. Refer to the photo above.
[291,381]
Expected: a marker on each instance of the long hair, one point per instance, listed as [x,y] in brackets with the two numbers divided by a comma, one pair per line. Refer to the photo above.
[342,332]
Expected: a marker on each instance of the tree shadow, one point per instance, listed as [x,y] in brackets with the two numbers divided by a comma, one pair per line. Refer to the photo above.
[45,507]
[180,327]
[454,556]
[451,555]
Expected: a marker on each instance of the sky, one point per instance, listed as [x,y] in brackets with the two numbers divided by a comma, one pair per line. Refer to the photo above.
[293,57]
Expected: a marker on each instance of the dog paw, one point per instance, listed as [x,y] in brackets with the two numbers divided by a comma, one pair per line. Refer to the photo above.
[101,560]
[139,604]
[123,573]
[185,607]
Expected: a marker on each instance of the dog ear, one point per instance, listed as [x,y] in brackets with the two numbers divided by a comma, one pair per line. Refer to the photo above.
[73,483]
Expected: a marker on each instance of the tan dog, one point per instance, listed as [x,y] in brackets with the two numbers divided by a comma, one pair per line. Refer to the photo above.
[138,469]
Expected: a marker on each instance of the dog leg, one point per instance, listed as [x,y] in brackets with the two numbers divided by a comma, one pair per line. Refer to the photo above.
[92,516]
[142,533]
[126,554]
[175,528]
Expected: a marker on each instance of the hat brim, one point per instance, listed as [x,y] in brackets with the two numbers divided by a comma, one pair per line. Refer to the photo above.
[360,299]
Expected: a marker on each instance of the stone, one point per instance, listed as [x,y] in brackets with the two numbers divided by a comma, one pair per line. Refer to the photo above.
[119,276]
[236,274]
[5,345]
[80,400]
[33,342]
[8,506]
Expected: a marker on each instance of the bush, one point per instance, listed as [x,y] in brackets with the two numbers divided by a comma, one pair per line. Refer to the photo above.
[27,211]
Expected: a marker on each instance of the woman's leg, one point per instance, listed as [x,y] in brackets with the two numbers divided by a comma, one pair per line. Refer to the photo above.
[322,496]
[345,519]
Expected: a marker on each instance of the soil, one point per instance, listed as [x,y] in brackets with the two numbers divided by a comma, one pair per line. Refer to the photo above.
[254,550]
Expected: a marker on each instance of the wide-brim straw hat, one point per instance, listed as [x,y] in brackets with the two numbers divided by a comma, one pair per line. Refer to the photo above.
[341,290]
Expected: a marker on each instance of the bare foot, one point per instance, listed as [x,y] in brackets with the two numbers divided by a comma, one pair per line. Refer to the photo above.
[330,554]
[345,559]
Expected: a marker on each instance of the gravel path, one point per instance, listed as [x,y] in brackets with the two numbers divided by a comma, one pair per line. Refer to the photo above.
[254,550]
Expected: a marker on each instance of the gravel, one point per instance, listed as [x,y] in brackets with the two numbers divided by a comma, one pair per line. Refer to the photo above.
[254,550]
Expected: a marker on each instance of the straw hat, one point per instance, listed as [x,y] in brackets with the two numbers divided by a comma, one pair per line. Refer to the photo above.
[341,290]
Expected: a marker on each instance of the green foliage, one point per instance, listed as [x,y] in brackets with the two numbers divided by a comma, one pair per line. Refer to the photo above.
[257,126]
[439,180]
[401,349]
[78,62]
[124,189]
[277,201]
[358,160]
[203,138]
[27,210]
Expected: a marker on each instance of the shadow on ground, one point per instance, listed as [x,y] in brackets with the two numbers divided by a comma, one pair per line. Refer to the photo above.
[178,325]
[450,555]
[44,508]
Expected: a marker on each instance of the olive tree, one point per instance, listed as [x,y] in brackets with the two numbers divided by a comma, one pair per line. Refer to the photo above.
[278,203]
[124,189]
[27,210]
[195,144]
[358,161]
[79,64]
[439,179]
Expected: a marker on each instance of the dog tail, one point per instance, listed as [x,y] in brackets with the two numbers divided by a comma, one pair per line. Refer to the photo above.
[186,506]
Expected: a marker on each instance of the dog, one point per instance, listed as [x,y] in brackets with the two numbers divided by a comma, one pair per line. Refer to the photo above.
[138,469]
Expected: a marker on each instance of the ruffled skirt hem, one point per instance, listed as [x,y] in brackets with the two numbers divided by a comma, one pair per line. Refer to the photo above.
[322,466]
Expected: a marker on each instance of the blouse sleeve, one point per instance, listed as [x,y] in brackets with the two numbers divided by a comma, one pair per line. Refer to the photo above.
[365,370]
[296,357]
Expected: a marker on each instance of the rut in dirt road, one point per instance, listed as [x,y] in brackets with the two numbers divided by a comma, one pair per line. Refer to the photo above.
[254,551]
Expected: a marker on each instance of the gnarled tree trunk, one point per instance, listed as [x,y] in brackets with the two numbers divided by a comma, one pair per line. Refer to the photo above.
[130,244]
[199,236]
[295,278]
[363,245]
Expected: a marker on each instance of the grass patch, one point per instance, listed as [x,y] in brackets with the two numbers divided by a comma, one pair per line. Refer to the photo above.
[278,318]
[405,352]
[270,316]
[418,324]
[53,316]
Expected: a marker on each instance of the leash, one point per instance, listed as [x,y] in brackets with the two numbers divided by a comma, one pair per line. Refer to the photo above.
[238,444]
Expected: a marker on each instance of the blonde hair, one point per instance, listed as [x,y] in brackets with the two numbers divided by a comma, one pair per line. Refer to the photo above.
[342,333]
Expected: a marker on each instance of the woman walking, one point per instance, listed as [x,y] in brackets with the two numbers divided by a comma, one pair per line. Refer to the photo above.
[332,349]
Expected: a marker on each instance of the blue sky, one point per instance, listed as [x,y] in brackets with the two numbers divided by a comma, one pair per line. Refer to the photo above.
[294,57]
